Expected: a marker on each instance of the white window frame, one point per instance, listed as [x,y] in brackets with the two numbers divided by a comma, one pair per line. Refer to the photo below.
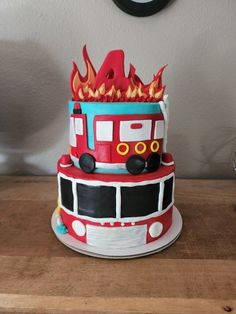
[79,126]
[127,134]
[104,131]
[73,141]
[159,131]
[173,194]
[118,186]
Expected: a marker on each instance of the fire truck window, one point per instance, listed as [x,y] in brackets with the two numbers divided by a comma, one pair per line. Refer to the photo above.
[96,201]
[167,196]
[159,129]
[67,199]
[104,131]
[130,134]
[140,200]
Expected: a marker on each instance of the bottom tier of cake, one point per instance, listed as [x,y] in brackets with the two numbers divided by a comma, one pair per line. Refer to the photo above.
[115,211]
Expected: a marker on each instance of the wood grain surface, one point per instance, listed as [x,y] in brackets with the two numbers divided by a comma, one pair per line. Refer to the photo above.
[195,275]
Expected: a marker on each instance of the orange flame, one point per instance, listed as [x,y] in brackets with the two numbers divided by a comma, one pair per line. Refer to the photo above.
[110,84]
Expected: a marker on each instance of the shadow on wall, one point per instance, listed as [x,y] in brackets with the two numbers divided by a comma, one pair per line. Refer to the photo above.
[219,157]
[205,139]
[31,91]
[218,140]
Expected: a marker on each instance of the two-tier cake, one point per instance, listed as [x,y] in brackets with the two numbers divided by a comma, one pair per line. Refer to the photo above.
[116,185]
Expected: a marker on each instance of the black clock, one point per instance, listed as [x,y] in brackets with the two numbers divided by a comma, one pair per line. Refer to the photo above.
[141,7]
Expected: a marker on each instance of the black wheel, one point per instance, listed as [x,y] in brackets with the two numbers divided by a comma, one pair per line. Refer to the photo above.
[153,162]
[141,8]
[135,164]
[87,163]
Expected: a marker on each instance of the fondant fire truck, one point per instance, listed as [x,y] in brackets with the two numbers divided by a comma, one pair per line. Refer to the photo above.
[116,187]
[117,136]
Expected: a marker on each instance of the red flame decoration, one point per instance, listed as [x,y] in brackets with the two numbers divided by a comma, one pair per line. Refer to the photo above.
[110,83]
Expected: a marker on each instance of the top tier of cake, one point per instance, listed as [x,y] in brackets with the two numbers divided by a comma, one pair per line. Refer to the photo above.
[117,123]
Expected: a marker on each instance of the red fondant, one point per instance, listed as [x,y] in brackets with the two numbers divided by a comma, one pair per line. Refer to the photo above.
[65,160]
[82,143]
[136,126]
[165,219]
[105,151]
[167,157]
[110,83]
[77,80]
[75,172]
[77,105]
[112,72]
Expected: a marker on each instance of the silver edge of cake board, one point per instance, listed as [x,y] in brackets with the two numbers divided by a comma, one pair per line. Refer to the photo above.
[128,253]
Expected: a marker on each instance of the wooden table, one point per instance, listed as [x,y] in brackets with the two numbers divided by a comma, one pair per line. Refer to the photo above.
[195,275]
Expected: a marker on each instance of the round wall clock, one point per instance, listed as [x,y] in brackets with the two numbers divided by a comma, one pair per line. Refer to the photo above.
[141,7]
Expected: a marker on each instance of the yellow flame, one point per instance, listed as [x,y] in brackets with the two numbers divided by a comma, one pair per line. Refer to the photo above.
[158,94]
[90,79]
[111,92]
[118,93]
[81,95]
[134,92]
[102,89]
[131,93]
[140,93]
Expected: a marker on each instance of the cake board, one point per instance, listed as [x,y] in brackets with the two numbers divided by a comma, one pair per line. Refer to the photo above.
[123,253]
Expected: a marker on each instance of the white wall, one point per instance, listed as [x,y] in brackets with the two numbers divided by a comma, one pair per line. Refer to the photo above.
[39,40]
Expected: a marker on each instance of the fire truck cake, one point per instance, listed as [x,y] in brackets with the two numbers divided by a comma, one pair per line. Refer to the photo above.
[116,184]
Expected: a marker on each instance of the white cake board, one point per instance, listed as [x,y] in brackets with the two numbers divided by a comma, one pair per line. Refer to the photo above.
[156,246]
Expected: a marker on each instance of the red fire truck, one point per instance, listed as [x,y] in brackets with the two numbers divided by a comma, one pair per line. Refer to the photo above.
[118,142]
